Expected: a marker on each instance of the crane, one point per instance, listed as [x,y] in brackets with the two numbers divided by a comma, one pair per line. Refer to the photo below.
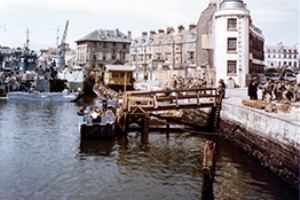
[64,38]
[63,46]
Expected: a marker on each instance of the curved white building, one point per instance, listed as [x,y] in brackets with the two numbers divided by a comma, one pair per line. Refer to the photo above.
[233,42]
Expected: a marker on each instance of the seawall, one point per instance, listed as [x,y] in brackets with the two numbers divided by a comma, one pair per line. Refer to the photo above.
[272,139]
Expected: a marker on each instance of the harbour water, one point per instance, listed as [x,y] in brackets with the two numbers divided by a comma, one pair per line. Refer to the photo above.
[42,157]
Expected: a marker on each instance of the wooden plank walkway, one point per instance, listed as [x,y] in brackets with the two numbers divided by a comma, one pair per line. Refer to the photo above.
[138,105]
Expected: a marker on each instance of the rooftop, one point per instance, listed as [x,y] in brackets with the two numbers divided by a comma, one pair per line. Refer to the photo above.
[232,4]
[124,68]
[105,36]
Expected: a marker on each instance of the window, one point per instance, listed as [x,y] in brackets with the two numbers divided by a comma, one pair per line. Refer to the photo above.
[232,24]
[295,64]
[124,46]
[191,55]
[115,75]
[104,45]
[231,67]
[232,45]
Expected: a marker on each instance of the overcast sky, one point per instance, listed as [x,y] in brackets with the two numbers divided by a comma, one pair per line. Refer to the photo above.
[279,19]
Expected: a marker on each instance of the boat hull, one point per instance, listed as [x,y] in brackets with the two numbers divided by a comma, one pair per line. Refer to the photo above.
[42,97]
[90,131]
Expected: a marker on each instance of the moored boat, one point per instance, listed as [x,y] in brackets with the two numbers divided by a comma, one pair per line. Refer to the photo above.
[43,96]
[98,125]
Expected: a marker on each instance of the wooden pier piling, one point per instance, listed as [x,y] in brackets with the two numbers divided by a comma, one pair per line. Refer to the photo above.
[208,170]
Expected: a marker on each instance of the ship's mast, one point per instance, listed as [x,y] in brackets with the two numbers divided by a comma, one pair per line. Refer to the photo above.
[57,36]
[27,39]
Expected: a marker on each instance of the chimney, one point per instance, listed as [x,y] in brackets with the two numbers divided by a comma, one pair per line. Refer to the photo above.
[144,34]
[192,26]
[129,35]
[170,30]
[152,33]
[180,28]
[161,31]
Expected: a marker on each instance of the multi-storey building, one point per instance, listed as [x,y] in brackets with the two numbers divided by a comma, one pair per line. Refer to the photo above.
[282,55]
[166,49]
[141,51]
[229,46]
[103,47]
[256,51]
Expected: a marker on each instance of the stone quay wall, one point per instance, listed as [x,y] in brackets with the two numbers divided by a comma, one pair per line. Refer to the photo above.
[273,141]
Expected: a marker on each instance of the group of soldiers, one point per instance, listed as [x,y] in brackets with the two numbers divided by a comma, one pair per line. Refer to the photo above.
[280,91]
[12,83]
[180,82]
[103,92]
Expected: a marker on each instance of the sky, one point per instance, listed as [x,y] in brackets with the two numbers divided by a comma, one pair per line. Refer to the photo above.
[279,19]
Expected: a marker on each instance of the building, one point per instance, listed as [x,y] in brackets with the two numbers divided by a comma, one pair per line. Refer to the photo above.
[141,51]
[102,47]
[205,41]
[229,46]
[281,55]
[238,44]
[167,49]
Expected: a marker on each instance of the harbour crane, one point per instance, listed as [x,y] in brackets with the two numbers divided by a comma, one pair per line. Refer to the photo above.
[62,48]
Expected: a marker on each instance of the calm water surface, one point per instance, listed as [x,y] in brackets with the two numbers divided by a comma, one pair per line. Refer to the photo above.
[42,157]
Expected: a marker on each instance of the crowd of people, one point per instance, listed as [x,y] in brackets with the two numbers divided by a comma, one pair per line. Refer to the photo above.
[11,82]
[180,82]
[275,90]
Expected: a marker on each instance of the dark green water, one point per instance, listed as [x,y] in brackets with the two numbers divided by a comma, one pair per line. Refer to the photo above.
[42,157]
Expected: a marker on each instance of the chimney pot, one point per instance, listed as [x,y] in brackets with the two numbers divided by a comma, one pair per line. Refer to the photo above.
[129,35]
[192,26]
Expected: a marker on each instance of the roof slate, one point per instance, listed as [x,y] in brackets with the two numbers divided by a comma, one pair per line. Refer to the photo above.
[105,36]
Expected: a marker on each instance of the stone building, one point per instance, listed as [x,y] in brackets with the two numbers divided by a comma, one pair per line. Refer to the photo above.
[205,41]
[168,49]
[281,55]
[103,47]
[229,46]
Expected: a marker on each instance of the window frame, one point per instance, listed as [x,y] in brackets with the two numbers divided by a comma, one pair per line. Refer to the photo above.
[229,71]
[231,50]
[229,28]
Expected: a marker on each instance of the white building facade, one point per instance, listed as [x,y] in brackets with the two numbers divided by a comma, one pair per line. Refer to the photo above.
[281,55]
[233,58]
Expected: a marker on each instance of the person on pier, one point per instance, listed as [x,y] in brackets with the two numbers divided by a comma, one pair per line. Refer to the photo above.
[222,87]
[252,90]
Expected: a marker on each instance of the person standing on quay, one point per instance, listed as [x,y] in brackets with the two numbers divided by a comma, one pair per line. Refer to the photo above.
[252,90]
[222,87]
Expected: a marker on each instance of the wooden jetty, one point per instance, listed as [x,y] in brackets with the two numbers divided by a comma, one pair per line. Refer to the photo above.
[138,106]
